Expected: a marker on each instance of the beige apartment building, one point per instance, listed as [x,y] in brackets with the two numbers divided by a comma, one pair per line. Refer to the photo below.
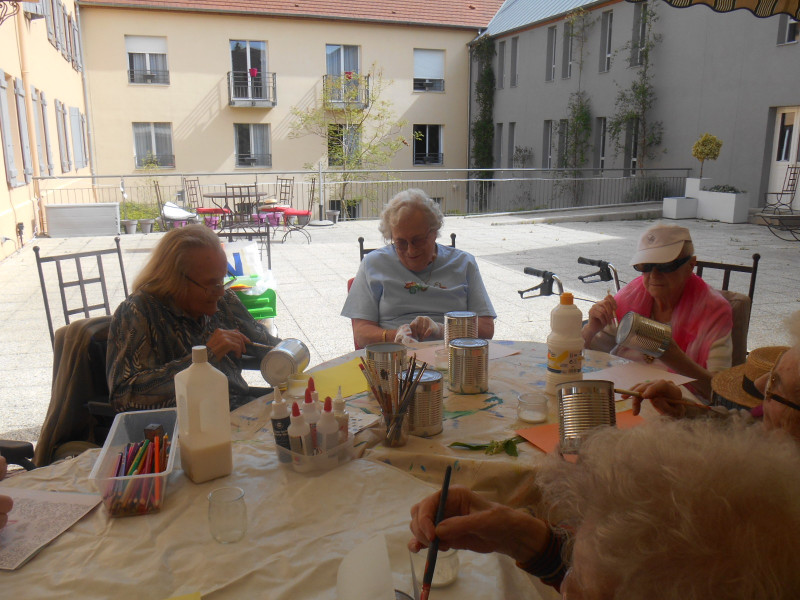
[43,122]
[209,88]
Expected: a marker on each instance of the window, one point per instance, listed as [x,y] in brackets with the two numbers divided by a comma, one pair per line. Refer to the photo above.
[788,30]
[550,74]
[47,5]
[639,35]
[428,145]
[510,154]
[46,136]
[632,146]
[342,68]
[249,70]
[785,136]
[252,145]
[563,137]
[606,22]
[514,76]
[77,125]
[566,63]
[152,144]
[428,70]
[147,59]
[501,64]
[343,142]
[600,134]
[63,147]
[498,146]
[14,132]
[547,145]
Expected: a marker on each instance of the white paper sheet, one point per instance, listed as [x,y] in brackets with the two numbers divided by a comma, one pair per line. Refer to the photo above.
[627,375]
[496,350]
[365,573]
[36,519]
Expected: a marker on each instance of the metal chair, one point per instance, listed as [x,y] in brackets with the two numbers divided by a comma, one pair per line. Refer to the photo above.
[86,274]
[741,304]
[303,217]
[778,215]
[172,215]
[782,201]
[192,195]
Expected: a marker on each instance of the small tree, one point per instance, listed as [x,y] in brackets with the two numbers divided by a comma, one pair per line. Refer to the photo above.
[356,123]
[706,148]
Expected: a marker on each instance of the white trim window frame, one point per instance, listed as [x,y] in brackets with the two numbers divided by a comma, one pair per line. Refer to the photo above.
[153,139]
[552,35]
[428,70]
[147,59]
[245,85]
[252,145]
[428,145]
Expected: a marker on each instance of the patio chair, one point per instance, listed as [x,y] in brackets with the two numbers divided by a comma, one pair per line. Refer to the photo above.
[172,215]
[89,271]
[303,217]
[192,194]
[781,219]
[741,304]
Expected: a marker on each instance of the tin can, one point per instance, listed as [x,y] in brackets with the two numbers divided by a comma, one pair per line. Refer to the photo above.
[386,359]
[643,334]
[582,406]
[425,410]
[288,357]
[460,324]
[469,366]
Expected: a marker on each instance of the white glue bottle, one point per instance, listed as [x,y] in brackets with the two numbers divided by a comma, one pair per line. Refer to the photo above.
[299,433]
[342,416]
[564,345]
[327,429]
[280,424]
[201,393]
[311,415]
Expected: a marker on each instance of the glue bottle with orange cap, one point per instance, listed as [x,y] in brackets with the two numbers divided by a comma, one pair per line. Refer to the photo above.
[564,345]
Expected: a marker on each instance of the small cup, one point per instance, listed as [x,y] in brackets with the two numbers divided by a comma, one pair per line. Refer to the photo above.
[227,514]
[296,385]
[532,407]
[395,429]
[446,571]
[441,360]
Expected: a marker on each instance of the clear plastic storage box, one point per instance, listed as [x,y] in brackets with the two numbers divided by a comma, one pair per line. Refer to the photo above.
[325,461]
[137,494]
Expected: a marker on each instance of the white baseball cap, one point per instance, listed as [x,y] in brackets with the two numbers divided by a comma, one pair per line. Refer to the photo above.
[661,244]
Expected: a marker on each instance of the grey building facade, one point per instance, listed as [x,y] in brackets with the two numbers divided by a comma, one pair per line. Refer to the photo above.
[732,75]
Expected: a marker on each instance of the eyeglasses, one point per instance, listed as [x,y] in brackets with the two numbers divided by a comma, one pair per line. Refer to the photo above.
[417,242]
[215,289]
[669,267]
[768,389]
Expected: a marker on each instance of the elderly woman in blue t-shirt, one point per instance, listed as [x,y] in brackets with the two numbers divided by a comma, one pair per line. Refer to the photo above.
[402,291]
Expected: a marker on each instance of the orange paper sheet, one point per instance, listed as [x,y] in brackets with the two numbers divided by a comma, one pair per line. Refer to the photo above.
[545,437]
[347,375]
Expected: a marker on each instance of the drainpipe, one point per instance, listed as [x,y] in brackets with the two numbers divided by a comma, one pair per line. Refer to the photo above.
[22,42]
[89,130]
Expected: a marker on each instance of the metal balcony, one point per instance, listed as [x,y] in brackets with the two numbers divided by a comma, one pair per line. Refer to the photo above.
[155,160]
[254,160]
[145,76]
[428,158]
[350,90]
[252,90]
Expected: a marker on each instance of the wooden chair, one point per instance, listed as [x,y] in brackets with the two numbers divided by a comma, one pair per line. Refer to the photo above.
[89,273]
[741,304]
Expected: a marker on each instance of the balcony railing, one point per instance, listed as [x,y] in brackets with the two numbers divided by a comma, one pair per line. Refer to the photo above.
[156,160]
[428,158]
[144,76]
[257,90]
[254,160]
[348,90]
[428,85]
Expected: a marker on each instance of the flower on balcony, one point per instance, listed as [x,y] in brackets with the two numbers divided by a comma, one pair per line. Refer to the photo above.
[253,72]
[348,75]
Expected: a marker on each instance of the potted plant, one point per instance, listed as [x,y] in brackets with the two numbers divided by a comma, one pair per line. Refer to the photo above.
[128,224]
[706,148]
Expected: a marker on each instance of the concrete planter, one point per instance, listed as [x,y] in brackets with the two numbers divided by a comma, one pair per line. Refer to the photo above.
[714,206]
[129,225]
[332,215]
[680,207]
[146,225]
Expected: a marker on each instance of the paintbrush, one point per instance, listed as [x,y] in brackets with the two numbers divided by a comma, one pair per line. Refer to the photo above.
[433,550]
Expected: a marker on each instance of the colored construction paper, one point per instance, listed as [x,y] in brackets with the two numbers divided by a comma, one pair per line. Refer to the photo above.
[545,437]
[627,375]
[348,375]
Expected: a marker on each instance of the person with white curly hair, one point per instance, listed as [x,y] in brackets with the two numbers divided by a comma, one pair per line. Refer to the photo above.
[669,510]
[402,291]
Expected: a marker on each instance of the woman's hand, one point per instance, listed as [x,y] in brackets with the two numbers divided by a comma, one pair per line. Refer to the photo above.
[225,341]
[601,314]
[665,396]
[423,328]
[404,335]
[473,523]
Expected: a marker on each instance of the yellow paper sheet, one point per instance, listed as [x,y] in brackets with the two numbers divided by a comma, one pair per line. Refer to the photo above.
[347,375]
[194,596]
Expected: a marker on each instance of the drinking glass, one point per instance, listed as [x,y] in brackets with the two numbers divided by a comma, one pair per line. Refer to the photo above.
[395,429]
[227,514]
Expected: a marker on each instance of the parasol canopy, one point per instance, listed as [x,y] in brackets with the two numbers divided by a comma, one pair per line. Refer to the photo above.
[760,8]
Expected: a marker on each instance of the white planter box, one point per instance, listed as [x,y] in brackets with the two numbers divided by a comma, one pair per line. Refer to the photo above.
[680,207]
[81,220]
[694,185]
[722,206]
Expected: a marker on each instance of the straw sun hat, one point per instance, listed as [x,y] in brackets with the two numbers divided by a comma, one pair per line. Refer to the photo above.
[737,384]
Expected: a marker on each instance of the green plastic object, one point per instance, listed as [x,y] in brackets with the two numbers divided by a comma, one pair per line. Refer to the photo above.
[261,306]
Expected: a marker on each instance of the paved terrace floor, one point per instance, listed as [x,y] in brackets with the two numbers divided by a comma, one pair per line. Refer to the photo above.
[311,286]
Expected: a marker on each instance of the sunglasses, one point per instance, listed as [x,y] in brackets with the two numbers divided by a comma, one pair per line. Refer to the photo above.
[669,267]
[768,389]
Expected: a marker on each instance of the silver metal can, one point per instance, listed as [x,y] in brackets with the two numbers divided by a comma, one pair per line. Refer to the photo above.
[460,324]
[425,410]
[582,406]
[386,359]
[643,334]
[469,366]
[288,357]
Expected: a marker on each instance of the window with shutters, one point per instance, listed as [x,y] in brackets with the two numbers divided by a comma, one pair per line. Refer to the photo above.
[77,125]
[63,137]
[428,70]
[152,145]
[12,153]
[46,136]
